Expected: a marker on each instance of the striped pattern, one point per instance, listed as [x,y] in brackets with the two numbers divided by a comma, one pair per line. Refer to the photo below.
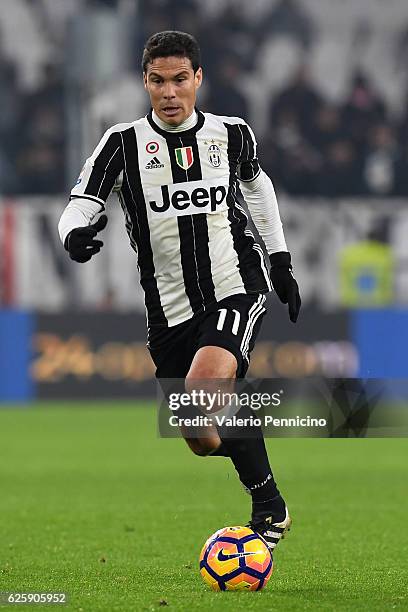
[252,267]
[272,532]
[187,259]
[193,229]
[255,312]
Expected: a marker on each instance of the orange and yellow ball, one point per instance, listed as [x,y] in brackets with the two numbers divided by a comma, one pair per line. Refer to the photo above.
[236,559]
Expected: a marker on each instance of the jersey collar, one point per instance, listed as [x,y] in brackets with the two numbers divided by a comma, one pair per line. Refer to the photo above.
[165,134]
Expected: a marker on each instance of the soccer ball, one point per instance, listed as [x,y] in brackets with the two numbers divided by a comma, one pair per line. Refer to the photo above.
[236,559]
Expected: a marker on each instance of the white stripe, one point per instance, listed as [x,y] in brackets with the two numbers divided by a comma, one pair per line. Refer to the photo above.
[274,534]
[224,259]
[264,269]
[252,312]
[255,315]
[244,351]
[168,270]
[238,205]
[252,179]
[252,135]
[237,318]
[253,307]
[221,318]
[242,144]
[249,336]
[85,196]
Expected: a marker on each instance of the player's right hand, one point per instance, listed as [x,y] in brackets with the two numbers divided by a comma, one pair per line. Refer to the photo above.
[80,242]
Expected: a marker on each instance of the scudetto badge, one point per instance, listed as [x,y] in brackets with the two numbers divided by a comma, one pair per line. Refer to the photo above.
[184,157]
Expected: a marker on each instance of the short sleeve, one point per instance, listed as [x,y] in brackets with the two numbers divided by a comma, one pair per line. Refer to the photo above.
[101,170]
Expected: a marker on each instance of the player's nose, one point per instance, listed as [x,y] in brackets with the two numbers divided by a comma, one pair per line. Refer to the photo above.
[169,91]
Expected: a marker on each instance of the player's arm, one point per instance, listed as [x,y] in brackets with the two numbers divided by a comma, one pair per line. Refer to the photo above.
[88,198]
[259,194]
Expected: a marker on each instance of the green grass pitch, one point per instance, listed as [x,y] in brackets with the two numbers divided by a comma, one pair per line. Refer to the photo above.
[93,503]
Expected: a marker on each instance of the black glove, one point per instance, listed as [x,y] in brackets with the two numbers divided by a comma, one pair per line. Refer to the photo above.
[284,283]
[80,242]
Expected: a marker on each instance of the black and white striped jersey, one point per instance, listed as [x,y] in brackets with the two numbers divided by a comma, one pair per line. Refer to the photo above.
[178,194]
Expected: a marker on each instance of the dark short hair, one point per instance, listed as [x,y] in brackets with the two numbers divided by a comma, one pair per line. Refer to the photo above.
[169,43]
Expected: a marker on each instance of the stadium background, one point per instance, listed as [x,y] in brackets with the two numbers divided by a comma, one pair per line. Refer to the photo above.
[92,501]
[326,93]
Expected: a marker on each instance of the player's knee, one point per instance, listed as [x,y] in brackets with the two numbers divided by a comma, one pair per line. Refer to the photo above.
[195,446]
[199,451]
[208,446]
[212,362]
[202,447]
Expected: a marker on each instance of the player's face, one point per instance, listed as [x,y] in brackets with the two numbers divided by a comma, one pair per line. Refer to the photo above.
[172,86]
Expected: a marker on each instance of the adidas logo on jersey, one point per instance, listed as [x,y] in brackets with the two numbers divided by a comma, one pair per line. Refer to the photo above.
[154,163]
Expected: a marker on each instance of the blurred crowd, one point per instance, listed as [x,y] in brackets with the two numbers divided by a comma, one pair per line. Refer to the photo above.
[315,147]
[309,145]
[32,132]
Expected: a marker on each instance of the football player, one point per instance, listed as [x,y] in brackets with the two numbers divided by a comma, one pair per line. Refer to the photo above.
[205,277]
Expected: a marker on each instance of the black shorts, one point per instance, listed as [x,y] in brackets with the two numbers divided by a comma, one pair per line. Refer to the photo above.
[233,324]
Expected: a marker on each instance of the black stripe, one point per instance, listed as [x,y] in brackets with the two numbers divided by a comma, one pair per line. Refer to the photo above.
[249,260]
[188,263]
[107,165]
[249,171]
[175,141]
[193,231]
[248,153]
[203,258]
[249,165]
[201,239]
[138,228]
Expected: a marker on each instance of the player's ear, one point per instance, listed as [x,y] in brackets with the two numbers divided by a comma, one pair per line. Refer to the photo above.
[145,80]
[198,77]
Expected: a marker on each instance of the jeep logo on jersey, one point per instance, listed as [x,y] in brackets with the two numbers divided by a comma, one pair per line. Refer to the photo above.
[190,198]
[214,155]
[184,157]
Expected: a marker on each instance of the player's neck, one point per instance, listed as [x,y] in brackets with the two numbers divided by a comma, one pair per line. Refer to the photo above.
[187,124]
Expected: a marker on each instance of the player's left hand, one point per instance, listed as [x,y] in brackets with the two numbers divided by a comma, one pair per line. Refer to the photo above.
[284,282]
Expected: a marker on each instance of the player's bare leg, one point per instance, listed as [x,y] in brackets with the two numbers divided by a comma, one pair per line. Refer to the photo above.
[210,362]
[270,516]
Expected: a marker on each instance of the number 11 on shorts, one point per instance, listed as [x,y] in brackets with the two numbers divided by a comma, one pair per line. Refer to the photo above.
[223,315]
